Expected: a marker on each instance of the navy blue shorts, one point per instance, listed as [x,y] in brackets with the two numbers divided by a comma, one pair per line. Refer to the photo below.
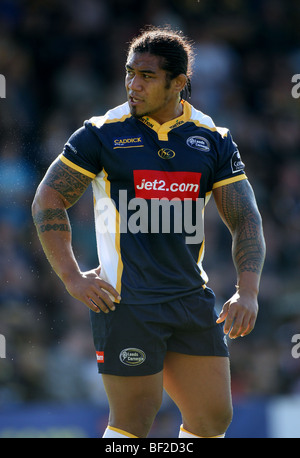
[133,339]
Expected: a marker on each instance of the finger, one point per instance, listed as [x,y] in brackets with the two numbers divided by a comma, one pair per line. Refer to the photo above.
[92,305]
[223,314]
[107,288]
[245,328]
[104,299]
[238,323]
[237,327]
[100,303]
[229,320]
[250,327]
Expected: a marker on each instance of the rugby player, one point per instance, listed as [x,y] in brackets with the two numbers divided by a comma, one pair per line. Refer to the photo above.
[152,313]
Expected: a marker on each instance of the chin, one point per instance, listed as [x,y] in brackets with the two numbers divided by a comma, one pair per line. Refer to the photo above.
[135,113]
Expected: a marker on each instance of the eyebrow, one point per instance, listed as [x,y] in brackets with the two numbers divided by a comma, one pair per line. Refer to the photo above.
[140,71]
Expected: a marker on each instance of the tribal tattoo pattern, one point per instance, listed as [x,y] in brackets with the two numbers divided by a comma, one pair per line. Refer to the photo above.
[244,221]
[45,220]
[68,182]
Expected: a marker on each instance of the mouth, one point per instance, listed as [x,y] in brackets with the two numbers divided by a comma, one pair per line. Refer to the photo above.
[134,101]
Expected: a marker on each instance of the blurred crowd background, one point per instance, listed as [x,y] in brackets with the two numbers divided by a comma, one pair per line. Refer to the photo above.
[64,62]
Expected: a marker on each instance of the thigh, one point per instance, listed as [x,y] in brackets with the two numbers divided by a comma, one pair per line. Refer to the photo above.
[200,386]
[133,401]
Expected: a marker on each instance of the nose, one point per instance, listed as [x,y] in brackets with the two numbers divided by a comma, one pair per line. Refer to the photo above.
[134,83]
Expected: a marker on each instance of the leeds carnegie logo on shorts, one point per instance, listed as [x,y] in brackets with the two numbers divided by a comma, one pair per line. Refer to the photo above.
[132,356]
[128,142]
[199,143]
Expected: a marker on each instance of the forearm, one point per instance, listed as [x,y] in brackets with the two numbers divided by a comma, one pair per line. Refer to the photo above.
[248,276]
[54,231]
[248,252]
[237,206]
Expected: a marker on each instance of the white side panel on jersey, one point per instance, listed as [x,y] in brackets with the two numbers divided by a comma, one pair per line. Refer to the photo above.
[107,232]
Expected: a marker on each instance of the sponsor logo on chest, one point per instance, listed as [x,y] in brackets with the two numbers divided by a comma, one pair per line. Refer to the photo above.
[128,142]
[157,184]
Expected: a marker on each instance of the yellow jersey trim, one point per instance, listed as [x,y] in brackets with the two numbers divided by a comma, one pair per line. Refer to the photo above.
[76,167]
[218,184]
[162,130]
[221,130]
[188,115]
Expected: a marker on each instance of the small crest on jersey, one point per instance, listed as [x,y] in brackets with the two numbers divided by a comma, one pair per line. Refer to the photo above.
[199,143]
[236,162]
[132,356]
[128,142]
[166,153]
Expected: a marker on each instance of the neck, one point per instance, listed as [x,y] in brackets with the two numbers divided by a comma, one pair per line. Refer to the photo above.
[173,113]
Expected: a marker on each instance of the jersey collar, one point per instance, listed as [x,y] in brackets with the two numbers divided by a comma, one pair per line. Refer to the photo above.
[162,130]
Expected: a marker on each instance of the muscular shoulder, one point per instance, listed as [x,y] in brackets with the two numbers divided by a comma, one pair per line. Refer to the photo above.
[117,114]
[204,121]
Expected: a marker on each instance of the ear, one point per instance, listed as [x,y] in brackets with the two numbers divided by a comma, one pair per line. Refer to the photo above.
[179,82]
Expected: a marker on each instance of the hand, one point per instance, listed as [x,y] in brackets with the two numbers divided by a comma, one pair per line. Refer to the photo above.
[93,291]
[239,314]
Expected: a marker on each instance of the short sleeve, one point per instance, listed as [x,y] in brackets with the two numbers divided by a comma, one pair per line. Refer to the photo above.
[230,167]
[82,152]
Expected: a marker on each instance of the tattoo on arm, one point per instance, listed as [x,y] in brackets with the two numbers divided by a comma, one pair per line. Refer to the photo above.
[68,182]
[241,215]
[52,219]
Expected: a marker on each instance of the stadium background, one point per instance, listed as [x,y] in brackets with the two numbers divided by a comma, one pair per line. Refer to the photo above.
[63,62]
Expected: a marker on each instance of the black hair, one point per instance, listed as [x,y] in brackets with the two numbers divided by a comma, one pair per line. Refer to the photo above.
[175,50]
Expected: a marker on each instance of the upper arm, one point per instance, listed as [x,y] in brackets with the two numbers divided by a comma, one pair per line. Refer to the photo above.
[236,204]
[62,184]
[71,173]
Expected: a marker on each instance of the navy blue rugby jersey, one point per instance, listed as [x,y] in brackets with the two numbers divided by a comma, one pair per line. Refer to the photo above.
[150,185]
